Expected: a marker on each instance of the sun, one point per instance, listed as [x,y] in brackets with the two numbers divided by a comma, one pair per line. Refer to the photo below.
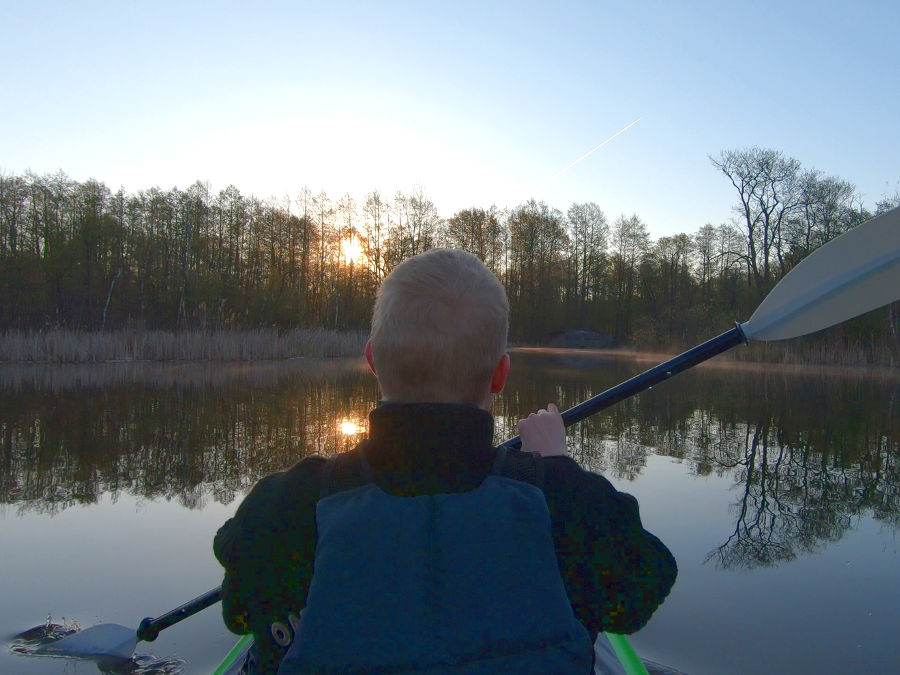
[351,428]
[352,251]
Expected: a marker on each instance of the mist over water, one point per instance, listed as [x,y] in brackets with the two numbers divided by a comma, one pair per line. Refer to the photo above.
[777,489]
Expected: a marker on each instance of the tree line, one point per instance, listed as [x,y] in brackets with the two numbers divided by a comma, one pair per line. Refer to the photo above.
[77,255]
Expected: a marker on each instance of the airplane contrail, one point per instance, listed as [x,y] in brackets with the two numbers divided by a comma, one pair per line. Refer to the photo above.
[590,152]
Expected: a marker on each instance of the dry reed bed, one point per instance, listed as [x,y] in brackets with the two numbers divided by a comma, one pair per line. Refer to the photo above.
[63,346]
[819,353]
[172,375]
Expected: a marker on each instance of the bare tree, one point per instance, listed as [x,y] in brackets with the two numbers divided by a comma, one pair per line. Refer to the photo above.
[824,203]
[374,225]
[537,242]
[479,232]
[588,236]
[766,182]
[424,221]
[630,242]
[888,202]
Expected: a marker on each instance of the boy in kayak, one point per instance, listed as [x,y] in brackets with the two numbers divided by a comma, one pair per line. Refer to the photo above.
[425,548]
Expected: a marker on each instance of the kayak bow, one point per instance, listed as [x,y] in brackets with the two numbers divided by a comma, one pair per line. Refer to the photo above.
[234,660]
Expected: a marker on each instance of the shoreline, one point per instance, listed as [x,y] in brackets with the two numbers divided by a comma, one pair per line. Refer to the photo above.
[62,347]
[723,362]
[160,346]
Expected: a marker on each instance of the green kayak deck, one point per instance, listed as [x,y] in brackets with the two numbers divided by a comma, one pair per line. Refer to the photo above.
[234,660]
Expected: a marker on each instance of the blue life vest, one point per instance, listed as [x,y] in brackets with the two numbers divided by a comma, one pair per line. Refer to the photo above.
[445,583]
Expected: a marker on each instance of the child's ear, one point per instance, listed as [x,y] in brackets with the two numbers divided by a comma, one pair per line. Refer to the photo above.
[369,357]
[501,372]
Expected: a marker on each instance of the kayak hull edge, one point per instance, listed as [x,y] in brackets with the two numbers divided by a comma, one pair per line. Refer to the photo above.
[234,660]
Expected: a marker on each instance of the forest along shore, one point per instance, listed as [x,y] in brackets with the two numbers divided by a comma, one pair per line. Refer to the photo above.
[78,256]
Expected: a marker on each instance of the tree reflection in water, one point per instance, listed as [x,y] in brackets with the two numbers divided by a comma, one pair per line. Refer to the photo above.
[799,491]
[810,451]
[188,433]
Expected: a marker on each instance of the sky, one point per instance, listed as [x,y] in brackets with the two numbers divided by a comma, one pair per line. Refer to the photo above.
[476,103]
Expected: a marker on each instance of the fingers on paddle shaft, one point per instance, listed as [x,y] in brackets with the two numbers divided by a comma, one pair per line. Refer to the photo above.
[544,432]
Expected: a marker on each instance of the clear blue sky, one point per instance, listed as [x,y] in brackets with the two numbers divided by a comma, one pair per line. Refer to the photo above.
[477,102]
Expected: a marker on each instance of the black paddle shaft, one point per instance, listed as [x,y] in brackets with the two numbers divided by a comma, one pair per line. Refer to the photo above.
[648,378]
[150,628]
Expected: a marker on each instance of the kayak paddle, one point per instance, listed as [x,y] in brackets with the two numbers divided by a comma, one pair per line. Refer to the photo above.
[850,275]
[117,641]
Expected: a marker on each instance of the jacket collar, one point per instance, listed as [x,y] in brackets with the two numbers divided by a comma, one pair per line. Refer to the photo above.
[429,447]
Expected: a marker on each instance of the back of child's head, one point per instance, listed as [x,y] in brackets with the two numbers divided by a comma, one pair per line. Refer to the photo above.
[439,329]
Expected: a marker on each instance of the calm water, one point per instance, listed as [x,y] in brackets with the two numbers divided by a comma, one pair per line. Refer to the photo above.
[777,490]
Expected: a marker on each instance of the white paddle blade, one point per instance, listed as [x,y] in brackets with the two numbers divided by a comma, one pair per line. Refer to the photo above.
[850,275]
[105,639]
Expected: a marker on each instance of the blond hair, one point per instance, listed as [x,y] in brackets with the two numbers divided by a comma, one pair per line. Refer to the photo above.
[439,329]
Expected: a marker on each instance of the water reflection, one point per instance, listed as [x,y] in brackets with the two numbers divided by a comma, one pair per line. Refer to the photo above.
[809,451]
[190,434]
[802,487]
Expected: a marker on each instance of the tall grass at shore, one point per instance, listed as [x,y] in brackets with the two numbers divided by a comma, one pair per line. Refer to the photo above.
[65,346]
[812,352]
